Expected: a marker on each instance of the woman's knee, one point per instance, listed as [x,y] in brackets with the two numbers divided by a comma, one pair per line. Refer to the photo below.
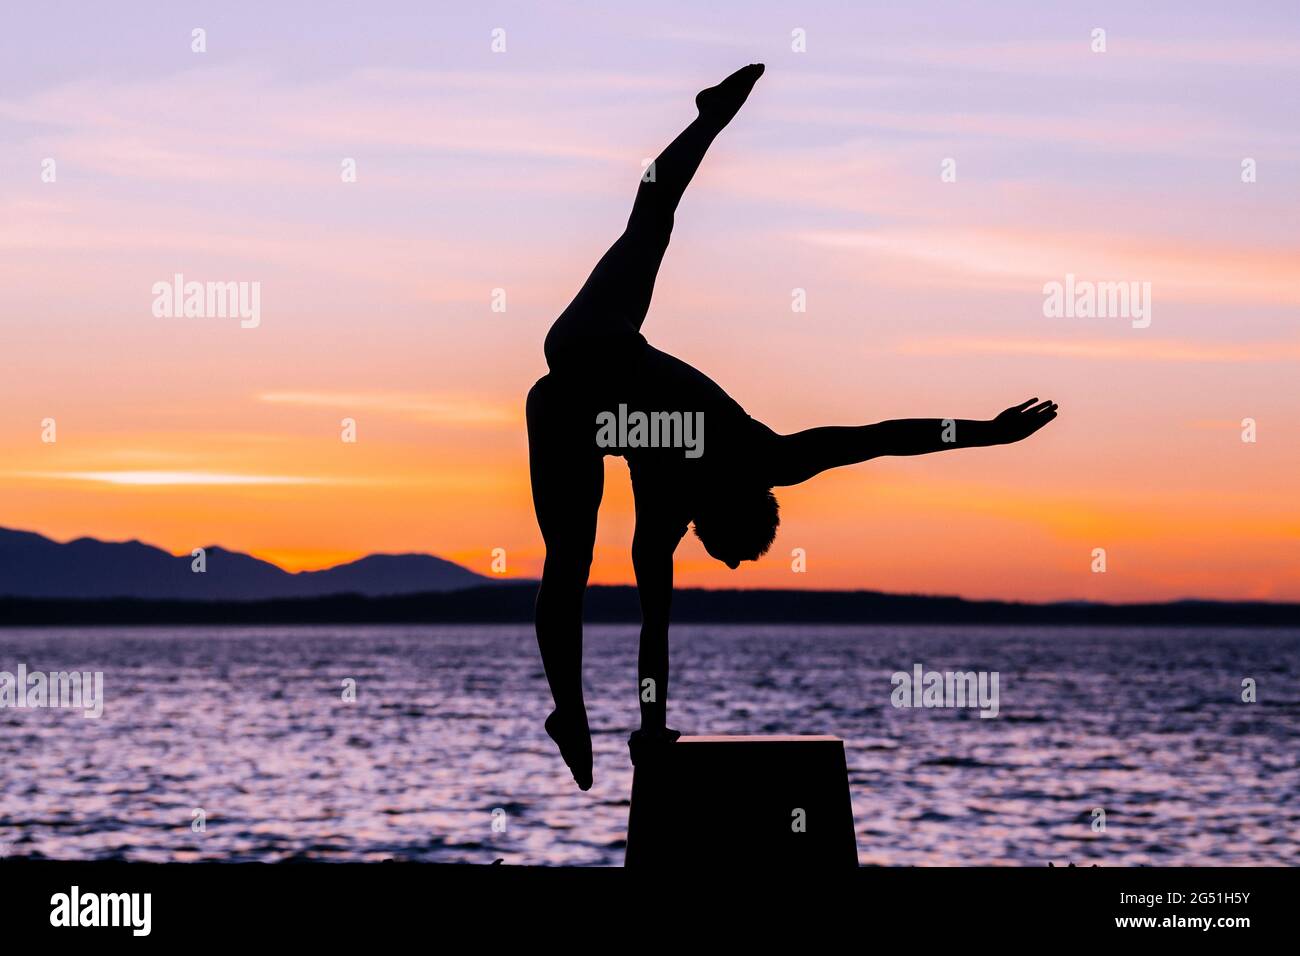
[567,563]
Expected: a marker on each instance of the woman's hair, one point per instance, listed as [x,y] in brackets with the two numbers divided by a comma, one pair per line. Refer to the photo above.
[738,522]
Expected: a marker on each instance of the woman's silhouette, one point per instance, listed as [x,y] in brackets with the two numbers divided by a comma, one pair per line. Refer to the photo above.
[599,361]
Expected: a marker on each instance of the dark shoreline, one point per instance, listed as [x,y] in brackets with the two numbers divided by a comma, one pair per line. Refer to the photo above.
[513,603]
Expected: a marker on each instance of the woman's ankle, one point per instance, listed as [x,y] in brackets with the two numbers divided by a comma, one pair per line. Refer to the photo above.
[569,716]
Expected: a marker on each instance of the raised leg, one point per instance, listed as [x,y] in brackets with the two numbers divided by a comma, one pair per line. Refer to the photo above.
[614,300]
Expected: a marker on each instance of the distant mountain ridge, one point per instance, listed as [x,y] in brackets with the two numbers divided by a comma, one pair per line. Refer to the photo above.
[33,566]
[92,582]
[512,602]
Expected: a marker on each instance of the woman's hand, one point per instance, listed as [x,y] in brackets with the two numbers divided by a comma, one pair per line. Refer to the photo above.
[648,742]
[1020,421]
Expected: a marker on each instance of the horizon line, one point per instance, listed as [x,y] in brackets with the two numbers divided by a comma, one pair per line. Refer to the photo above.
[511,579]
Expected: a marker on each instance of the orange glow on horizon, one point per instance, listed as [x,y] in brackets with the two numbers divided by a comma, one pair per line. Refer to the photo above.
[413,303]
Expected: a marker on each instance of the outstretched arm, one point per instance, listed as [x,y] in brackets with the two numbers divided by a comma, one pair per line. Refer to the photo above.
[653,563]
[807,453]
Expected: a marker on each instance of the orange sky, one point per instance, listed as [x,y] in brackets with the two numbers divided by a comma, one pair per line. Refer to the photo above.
[924,297]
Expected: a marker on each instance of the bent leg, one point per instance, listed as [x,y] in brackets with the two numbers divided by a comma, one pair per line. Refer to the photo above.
[567,475]
[614,300]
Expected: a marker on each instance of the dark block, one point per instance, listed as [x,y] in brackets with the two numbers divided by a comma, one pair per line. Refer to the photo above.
[731,801]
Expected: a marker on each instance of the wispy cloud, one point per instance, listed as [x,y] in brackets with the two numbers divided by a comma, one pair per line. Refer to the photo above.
[449,411]
[1133,349]
[1026,258]
[1126,53]
[176,478]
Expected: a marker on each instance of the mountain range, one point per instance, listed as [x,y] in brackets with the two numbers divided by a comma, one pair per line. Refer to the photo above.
[33,566]
[92,582]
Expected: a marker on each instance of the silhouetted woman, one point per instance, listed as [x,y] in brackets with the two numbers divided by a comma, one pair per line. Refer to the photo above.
[600,363]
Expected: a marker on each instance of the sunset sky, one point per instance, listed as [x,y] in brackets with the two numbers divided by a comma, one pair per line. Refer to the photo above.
[478,171]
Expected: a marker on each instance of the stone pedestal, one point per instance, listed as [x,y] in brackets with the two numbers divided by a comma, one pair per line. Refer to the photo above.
[770,802]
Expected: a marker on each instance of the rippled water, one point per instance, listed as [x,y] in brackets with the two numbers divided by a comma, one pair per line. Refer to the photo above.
[249,725]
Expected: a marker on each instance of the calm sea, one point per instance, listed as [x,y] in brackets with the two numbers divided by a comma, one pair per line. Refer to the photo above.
[249,725]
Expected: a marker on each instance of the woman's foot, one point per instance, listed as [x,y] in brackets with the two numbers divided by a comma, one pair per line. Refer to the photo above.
[573,737]
[722,102]
[646,743]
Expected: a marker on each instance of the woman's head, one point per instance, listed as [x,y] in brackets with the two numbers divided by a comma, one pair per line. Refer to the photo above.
[737,523]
